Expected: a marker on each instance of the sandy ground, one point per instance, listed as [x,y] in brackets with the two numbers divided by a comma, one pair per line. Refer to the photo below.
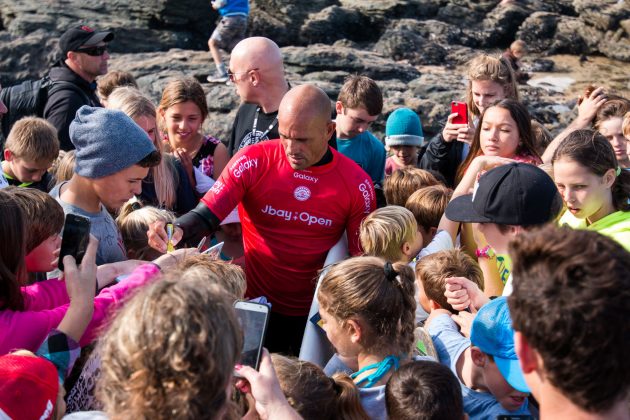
[572,77]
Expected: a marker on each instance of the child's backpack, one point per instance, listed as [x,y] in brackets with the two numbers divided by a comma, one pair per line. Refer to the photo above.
[29,98]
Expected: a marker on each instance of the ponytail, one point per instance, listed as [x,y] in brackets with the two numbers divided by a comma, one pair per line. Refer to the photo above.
[408,314]
[314,395]
[378,292]
[347,398]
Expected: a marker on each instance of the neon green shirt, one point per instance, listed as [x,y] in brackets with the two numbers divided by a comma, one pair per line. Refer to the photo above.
[616,226]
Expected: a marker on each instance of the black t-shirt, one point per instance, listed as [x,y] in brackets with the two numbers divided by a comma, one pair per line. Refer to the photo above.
[266,128]
[242,130]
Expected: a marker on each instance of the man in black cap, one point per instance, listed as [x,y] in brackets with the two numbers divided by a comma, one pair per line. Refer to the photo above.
[83,57]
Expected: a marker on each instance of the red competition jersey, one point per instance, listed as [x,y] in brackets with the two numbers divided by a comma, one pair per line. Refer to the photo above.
[290,218]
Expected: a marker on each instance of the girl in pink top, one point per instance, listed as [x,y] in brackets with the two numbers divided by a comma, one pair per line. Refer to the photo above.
[29,313]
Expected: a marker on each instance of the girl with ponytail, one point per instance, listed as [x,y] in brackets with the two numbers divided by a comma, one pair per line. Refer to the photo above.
[314,395]
[595,189]
[368,309]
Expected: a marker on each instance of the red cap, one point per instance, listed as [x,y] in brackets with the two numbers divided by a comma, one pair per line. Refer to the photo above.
[28,387]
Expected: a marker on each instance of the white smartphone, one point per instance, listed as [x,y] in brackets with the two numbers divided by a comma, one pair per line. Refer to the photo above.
[254,318]
[214,249]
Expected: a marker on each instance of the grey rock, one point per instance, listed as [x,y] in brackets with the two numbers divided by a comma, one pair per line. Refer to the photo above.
[320,57]
[334,23]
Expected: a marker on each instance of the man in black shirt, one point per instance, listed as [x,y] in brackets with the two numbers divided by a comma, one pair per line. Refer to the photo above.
[83,57]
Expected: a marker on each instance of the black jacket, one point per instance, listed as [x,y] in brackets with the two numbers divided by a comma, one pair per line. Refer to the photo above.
[63,104]
[443,157]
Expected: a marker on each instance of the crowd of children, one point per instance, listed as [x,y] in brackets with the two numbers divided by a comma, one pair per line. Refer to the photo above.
[489,283]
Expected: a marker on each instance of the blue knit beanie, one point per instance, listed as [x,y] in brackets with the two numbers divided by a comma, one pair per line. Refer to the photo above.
[403,128]
[106,141]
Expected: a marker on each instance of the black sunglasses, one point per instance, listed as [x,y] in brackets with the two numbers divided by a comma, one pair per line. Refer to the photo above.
[93,51]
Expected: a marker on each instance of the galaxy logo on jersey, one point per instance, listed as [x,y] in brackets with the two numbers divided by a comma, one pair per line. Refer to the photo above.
[303,216]
[242,165]
[305,177]
[302,193]
[364,188]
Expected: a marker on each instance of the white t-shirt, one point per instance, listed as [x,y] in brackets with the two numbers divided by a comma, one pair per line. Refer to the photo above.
[507,289]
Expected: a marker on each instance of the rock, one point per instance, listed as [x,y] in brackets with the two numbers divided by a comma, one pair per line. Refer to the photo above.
[539,65]
[603,15]
[396,9]
[319,57]
[501,24]
[400,44]
[538,31]
[334,23]
[281,20]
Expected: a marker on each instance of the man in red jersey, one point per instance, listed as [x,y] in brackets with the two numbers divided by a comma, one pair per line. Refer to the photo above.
[297,196]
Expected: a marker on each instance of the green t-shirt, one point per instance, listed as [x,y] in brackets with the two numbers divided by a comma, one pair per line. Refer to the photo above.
[616,226]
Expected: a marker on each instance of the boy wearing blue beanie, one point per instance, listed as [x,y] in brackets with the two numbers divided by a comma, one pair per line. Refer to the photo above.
[403,138]
[113,156]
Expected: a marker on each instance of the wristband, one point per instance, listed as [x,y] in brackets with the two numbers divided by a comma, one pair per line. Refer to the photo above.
[485,252]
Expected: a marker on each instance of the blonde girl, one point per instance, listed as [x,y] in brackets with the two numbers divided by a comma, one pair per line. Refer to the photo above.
[182,111]
[167,185]
[490,79]
[368,308]
[133,221]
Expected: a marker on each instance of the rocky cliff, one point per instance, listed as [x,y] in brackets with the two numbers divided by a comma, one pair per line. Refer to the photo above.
[414,48]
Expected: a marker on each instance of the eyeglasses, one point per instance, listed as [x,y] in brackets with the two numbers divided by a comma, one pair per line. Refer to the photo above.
[93,51]
[232,75]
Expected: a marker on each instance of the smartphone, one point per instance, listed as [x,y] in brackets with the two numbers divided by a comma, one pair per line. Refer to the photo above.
[214,249]
[461,109]
[254,318]
[75,238]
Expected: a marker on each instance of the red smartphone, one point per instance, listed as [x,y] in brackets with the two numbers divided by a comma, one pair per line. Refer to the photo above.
[461,109]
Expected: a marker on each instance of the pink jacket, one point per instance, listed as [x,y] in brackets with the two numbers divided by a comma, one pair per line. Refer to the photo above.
[46,304]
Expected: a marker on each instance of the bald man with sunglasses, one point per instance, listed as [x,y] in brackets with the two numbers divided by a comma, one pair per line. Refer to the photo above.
[84,56]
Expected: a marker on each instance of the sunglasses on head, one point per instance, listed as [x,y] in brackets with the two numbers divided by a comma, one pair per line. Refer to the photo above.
[93,51]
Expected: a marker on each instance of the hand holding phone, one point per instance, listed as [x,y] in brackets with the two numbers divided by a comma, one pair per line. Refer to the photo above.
[75,238]
[461,109]
[253,318]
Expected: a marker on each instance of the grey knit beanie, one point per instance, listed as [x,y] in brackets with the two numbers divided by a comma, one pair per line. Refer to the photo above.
[106,141]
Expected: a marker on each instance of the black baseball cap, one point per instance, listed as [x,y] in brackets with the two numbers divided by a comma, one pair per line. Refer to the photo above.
[82,36]
[514,194]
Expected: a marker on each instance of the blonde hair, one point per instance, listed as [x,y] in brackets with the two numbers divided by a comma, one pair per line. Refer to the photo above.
[169,353]
[433,270]
[428,204]
[133,224]
[107,83]
[229,277]
[313,394]
[133,103]
[360,287]
[63,167]
[496,69]
[34,139]
[384,231]
[626,126]
[404,182]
